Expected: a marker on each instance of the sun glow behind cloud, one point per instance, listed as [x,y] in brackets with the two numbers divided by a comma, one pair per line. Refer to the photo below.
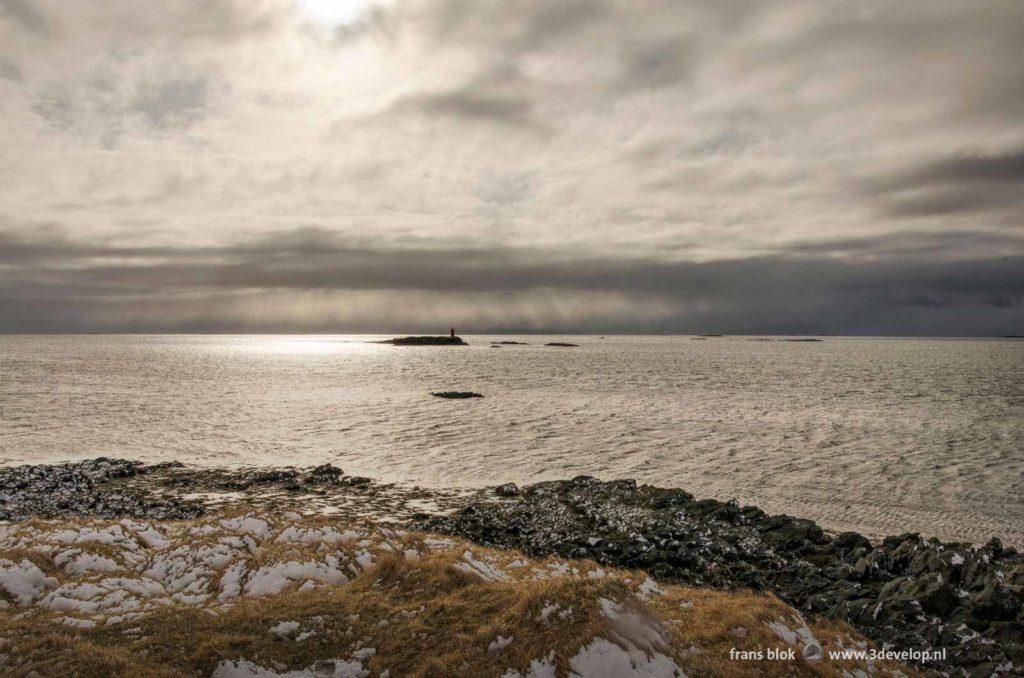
[334,12]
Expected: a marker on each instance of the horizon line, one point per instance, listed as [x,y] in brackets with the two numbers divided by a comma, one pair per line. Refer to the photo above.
[710,335]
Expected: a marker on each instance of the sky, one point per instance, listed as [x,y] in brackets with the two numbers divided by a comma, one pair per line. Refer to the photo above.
[516,165]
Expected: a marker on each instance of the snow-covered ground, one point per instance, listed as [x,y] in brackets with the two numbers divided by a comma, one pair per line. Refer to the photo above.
[97,577]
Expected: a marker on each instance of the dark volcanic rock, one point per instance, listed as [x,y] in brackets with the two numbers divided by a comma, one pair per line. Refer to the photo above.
[325,473]
[442,340]
[114,488]
[507,490]
[908,592]
[560,343]
[457,395]
[268,476]
[78,489]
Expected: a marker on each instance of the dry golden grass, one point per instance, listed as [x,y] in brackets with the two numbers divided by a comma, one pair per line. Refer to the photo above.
[425,614]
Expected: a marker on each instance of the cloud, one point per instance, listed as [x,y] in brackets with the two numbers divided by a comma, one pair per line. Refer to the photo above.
[25,16]
[953,185]
[468,105]
[292,279]
[9,70]
[172,102]
[731,165]
[1002,168]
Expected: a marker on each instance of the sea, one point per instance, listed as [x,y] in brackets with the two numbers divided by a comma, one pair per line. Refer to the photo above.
[878,435]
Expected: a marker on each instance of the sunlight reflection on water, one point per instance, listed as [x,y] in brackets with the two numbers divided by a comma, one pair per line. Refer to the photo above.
[878,435]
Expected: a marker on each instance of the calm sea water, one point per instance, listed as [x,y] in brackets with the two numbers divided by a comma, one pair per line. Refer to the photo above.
[877,435]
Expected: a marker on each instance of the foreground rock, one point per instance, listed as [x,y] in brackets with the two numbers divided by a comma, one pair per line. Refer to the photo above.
[272,595]
[442,340]
[907,592]
[119,488]
[457,395]
[84,488]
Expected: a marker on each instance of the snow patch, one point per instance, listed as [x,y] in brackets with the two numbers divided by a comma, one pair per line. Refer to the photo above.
[247,525]
[23,581]
[329,668]
[285,628]
[499,644]
[271,579]
[800,637]
[478,568]
[605,659]
[88,562]
[633,627]
[650,588]
[539,668]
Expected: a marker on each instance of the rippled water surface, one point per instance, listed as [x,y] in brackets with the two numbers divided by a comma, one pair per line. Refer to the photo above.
[877,435]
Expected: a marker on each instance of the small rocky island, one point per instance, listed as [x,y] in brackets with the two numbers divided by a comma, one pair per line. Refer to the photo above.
[441,340]
[561,343]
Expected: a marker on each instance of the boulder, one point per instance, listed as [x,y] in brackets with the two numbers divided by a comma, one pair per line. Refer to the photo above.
[507,490]
[264,477]
[325,473]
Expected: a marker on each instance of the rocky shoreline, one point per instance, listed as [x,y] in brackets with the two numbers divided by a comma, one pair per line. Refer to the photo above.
[122,488]
[905,592]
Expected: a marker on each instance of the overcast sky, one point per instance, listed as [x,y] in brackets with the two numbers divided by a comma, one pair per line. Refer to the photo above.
[269,165]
